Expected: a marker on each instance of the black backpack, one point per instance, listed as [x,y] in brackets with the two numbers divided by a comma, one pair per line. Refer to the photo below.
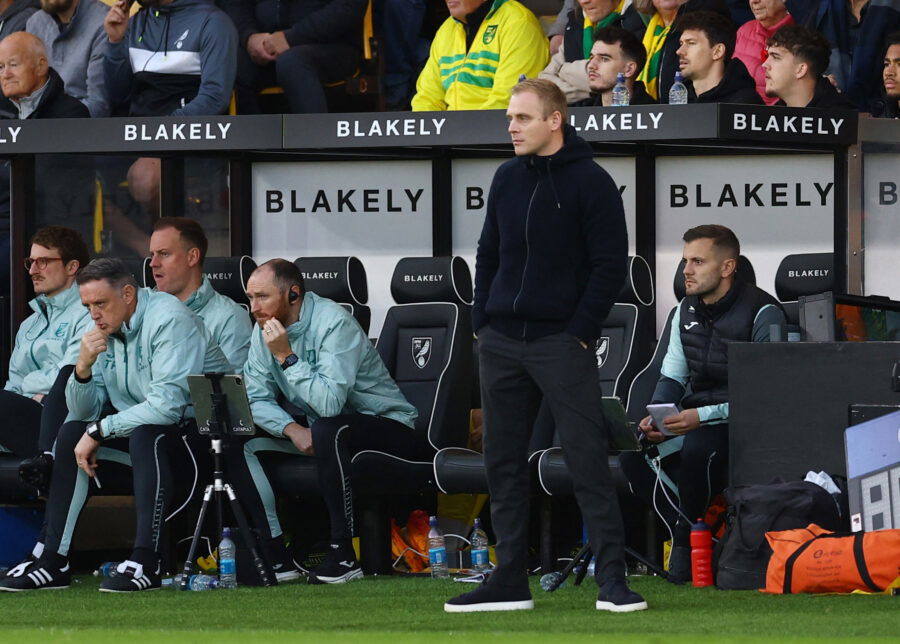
[742,554]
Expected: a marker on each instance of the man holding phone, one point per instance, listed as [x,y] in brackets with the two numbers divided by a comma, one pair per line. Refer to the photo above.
[717,310]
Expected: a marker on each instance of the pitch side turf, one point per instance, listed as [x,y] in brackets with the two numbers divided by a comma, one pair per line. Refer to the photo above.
[395,609]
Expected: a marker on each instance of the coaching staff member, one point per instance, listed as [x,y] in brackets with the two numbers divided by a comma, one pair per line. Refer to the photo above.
[550,262]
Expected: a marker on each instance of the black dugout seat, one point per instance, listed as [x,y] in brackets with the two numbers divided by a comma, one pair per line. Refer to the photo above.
[806,274]
[342,279]
[229,275]
[625,344]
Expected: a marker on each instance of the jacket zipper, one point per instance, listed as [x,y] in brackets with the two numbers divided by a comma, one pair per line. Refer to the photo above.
[527,253]
[46,326]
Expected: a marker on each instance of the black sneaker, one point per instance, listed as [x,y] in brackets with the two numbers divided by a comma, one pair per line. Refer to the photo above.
[36,471]
[284,565]
[19,568]
[339,567]
[491,597]
[679,565]
[616,597]
[131,577]
[41,574]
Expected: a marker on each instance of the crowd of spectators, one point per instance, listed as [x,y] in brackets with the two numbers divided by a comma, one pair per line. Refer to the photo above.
[205,57]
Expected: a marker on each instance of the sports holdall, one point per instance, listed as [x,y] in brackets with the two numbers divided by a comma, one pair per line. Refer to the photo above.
[742,554]
[814,560]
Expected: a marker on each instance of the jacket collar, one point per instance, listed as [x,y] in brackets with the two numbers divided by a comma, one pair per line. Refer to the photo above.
[201,296]
[306,312]
[60,301]
[132,328]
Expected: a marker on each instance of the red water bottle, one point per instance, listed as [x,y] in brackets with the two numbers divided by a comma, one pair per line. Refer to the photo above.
[701,555]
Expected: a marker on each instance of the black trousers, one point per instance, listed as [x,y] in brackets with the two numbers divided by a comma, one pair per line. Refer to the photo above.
[31,427]
[336,441]
[139,463]
[699,470]
[300,71]
[515,376]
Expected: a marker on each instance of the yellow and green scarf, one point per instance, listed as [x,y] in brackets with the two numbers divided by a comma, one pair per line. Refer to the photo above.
[654,39]
[587,38]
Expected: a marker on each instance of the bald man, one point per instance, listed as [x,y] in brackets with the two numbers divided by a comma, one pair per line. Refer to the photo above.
[31,88]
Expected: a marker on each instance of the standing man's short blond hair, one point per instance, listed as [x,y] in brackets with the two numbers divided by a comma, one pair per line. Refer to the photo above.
[550,95]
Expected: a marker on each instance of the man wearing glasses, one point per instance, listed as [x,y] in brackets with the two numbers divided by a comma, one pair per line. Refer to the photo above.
[46,345]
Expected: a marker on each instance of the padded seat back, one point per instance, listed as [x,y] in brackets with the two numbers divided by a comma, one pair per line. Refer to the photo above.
[804,274]
[342,279]
[229,275]
[140,269]
[426,344]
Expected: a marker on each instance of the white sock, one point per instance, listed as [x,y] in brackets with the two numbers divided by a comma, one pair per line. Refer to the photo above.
[38,550]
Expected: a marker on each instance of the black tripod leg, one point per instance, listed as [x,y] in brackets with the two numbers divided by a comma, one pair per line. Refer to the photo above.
[189,562]
[262,569]
[650,565]
[586,556]
[565,572]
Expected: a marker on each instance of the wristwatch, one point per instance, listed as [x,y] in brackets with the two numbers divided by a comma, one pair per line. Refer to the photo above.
[94,431]
[290,361]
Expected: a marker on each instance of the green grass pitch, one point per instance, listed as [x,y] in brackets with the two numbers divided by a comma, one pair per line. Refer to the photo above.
[403,609]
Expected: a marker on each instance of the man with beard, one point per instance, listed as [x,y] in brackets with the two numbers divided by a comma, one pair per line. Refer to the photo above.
[319,388]
[890,105]
[615,52]
[72,31]
[718,309]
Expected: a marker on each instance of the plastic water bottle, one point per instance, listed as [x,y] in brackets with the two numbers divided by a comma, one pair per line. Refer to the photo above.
[203,582]
[479,540]
[437,550]
[551,581]
[620,97]
[701,555]
[107,569]
[172,582]
[227,566]
[678,94]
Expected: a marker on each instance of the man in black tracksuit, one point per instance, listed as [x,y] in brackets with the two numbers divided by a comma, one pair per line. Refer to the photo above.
[550,262]
[716,311]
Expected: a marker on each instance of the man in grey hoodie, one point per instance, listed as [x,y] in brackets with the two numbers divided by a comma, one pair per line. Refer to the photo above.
[73,32]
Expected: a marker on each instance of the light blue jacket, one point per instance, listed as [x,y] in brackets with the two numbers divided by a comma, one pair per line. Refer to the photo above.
[48,340]
[144,371]
[227,321]
[339,372]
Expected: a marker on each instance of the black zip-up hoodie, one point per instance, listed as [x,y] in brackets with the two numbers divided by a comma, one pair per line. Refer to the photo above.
[554,246]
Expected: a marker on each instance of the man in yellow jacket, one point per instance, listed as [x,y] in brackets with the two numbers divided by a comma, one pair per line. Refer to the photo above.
[478,55]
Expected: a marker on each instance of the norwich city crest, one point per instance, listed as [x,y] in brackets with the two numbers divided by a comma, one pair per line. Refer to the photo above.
[489,34]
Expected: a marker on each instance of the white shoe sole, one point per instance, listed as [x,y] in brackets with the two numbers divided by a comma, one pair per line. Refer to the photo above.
[127,592]
[486,607]
[24,590]
[624,608]
[343,579]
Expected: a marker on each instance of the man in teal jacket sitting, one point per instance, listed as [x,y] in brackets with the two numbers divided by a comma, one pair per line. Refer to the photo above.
[337,400]
[46,345]
[135,359]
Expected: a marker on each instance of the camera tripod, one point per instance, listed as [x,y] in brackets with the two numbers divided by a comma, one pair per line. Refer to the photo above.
[219,426]
[553,580]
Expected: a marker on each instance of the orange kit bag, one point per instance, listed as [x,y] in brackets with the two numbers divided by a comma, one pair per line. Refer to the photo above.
[814,560]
